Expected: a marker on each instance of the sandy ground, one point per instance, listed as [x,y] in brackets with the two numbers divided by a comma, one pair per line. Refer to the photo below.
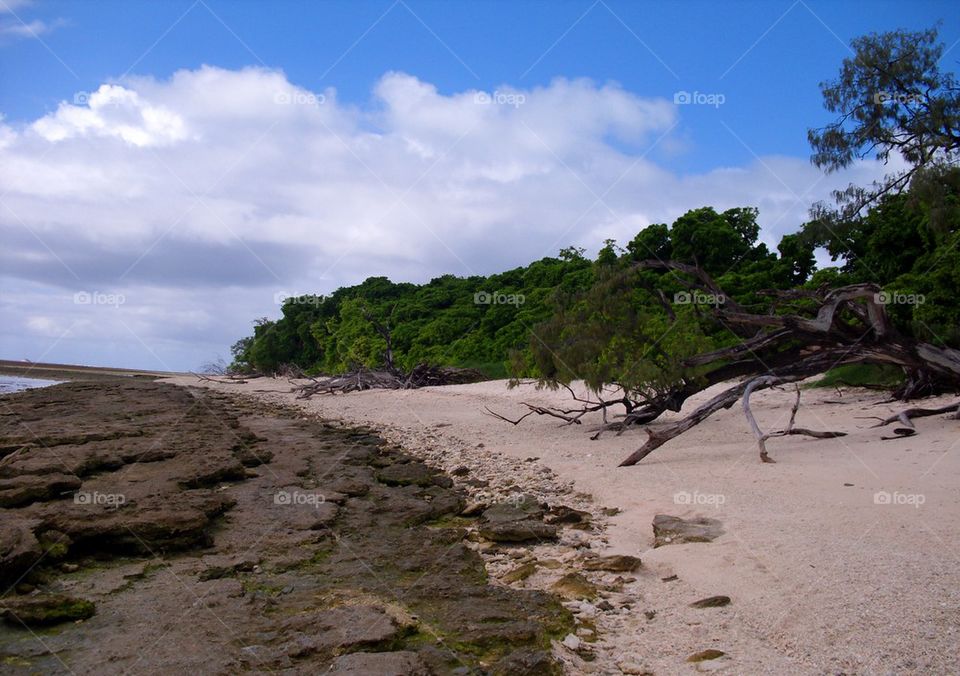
[843,557]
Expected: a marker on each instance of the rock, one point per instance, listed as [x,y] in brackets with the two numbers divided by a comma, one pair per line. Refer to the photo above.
[649,614]
[672,530]
[633,668]
[462,470]
[523,507]
[518,531]
[350,487]
[709,654]
[69,567]
[408,474]
[216,567]
[341,629]
[473,508]
[19,549]
[309,517]
[620,563]
[561,514]
[605,606]
[520,573]
[525,661]
[572,642]
[574,586]
[610,511]
[399,663]
[711,602]
[26,488]
[45,609]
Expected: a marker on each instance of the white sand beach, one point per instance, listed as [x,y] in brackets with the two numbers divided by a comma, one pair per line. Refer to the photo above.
[824,575]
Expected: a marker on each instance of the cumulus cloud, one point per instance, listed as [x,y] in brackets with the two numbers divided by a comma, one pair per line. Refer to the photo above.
[201,197]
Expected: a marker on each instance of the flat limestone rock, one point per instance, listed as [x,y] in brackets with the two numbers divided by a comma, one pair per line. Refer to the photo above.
[27,488]
[19,549]
[672,530]
[518,531]
[45,609]
[574,586]
[399,663]
[407,474]
[619,563]
[341,629]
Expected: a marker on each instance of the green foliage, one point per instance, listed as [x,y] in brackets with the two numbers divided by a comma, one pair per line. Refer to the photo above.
[890,98]
[873,376]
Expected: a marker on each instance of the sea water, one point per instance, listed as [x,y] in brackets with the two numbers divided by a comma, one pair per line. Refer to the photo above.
[11,384]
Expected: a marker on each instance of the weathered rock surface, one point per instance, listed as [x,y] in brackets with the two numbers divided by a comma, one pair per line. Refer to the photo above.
[336,553]
[525,530]
[398,663]
[45,609]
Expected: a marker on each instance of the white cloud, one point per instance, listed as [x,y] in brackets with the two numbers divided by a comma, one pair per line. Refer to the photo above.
[17,28]
[219,188]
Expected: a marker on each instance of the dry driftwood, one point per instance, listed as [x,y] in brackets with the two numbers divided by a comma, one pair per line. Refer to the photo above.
[422,375]
[843,326]
[906,416]
[762,437]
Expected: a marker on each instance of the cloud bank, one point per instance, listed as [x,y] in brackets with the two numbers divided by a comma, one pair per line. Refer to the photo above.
[201,198]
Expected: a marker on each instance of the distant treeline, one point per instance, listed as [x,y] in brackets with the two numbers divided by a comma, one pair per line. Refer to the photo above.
[608,321]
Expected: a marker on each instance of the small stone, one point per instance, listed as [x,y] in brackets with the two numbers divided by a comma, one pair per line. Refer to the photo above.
[462,470]
[605,606]
[669,578]
[712,602]
[69,567]
[473,508]
[574,586]
[633,668]
[709,654]
[572,642]
[650,614]
[614,564]
[520,573]
[672,530]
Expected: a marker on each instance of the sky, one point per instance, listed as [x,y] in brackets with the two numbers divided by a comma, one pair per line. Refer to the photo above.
[170,171]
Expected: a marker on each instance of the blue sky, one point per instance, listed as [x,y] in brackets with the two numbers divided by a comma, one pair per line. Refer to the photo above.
[201,159]
[766,58]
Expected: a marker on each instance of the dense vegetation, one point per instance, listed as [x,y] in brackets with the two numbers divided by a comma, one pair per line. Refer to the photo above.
[618,320]
[606,320]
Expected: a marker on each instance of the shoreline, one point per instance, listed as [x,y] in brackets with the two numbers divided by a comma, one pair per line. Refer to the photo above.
[813,563]
[319,546]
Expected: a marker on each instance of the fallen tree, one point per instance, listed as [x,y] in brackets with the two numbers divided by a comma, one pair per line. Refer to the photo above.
[421,375]
[805,332]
